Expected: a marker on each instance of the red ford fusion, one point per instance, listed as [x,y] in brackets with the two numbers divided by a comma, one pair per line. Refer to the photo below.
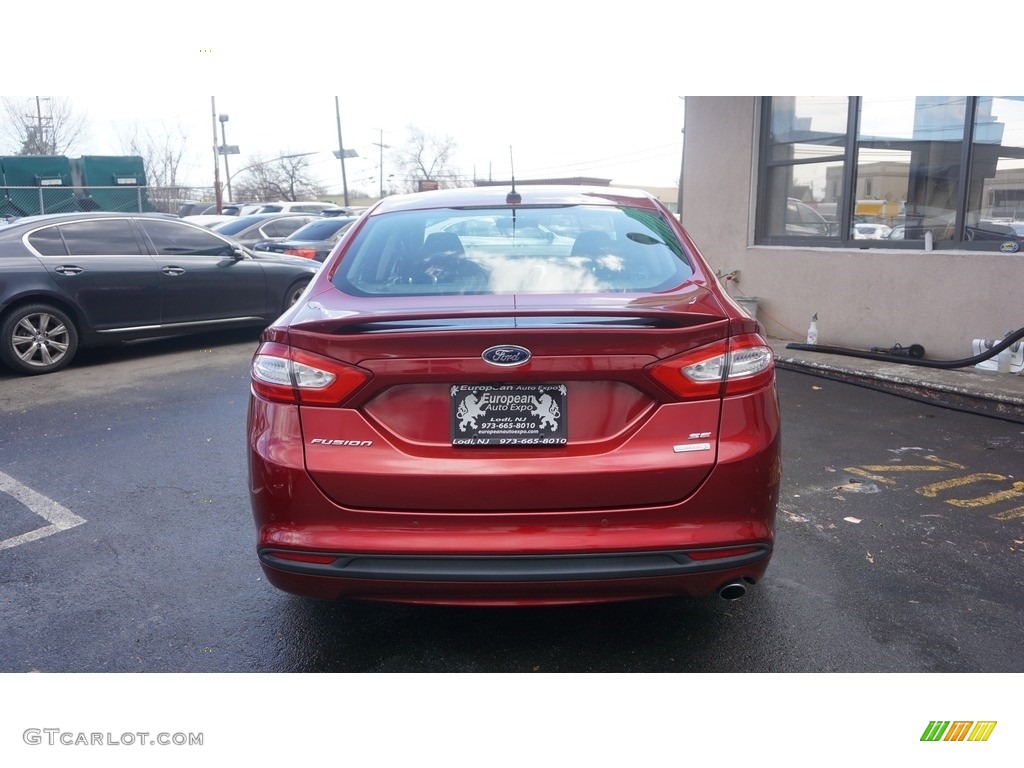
[514,396]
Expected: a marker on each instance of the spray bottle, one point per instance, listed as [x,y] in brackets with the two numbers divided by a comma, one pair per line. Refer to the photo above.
[812,332]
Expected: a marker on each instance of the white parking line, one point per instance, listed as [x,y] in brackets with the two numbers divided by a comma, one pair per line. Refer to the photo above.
[59,518]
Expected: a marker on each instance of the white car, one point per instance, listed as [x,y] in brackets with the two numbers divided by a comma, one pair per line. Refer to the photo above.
[289,206]
[865,231]
[209,219]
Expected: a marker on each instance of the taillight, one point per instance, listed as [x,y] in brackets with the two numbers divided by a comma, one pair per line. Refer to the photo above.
[729,367]
[286,375]
[306,253]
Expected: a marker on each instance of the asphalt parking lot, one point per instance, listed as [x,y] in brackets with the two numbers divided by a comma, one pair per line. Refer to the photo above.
[126,544]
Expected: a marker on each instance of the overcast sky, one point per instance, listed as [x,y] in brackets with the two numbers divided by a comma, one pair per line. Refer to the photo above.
[554,137]
[564,87]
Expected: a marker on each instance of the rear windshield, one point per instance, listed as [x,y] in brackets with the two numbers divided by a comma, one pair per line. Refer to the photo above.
[574,249]
[320,230]
[236,226]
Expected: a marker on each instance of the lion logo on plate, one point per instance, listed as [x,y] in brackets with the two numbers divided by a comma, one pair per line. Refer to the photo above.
[547,409]
[506,355]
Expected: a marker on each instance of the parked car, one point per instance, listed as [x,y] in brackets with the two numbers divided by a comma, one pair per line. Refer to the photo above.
[804,221]
[251,229]
[310,241]
[195,208]
[452,422]
[83,279]
[340,210]
[208,219]
[870,231]
[992,230]
[292,206]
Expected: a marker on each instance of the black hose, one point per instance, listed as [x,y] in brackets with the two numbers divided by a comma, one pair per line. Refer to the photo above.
[907,396]
[965,362]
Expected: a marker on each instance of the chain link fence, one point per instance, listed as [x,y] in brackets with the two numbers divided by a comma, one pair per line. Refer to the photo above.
[43,198]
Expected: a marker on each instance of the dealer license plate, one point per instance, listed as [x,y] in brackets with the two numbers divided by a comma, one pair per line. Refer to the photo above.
[508,414]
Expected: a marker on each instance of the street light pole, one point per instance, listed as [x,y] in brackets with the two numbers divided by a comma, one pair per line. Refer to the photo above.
[267,162]
[224,138]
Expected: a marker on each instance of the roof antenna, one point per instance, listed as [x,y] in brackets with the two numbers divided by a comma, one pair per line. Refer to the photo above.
[513,197]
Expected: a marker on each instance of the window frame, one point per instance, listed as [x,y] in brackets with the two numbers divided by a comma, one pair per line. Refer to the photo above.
[845,213]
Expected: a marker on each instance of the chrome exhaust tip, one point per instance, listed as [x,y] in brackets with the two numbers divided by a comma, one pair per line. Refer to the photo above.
[734,590]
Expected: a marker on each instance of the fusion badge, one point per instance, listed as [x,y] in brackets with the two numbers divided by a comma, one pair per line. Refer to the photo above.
[347,443]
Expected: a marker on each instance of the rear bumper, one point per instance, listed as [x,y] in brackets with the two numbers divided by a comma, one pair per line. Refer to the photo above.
[511,568]
[464,588]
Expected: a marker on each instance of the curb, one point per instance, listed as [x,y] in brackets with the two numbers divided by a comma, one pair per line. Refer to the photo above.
[972,395]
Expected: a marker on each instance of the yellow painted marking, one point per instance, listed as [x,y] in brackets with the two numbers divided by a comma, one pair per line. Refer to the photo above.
[868,470]
[939,466]
[931,491]
[1010,514]
[983,501]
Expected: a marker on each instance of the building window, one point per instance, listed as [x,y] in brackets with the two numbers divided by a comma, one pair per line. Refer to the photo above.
[892,169]
[802,173]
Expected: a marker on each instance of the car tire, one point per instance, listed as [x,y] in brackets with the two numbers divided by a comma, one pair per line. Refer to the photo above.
[37,338]
[292,294]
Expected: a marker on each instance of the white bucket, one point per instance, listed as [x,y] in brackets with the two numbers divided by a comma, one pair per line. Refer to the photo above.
[748,304]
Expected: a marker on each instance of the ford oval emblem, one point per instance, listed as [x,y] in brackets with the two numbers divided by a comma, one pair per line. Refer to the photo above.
[506,355]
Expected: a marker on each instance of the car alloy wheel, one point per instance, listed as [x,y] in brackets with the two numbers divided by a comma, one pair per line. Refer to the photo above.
[294,292]
[38,338]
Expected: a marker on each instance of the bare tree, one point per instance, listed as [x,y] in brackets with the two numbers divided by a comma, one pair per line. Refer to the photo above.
[162,158]
[42,125]
[162,154]
[426,158]
[283,178]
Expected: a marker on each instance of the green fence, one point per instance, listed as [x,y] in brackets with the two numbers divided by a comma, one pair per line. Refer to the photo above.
[35,184]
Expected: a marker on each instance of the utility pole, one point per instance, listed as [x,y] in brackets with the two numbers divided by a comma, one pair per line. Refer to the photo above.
[218,195]
[341,151]
[42,146]
[382,146]
[41,136]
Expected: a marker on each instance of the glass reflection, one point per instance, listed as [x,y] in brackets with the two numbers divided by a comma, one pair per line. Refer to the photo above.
[995,206]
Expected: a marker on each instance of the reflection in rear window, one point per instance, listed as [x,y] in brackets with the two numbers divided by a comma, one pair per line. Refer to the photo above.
[576,249]
[320,230]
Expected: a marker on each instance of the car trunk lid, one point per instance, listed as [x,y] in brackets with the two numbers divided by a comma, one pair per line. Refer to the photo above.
[578,425]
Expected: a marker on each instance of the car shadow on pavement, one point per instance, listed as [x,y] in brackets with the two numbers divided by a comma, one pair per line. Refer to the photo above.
[671,634]
[147,348]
